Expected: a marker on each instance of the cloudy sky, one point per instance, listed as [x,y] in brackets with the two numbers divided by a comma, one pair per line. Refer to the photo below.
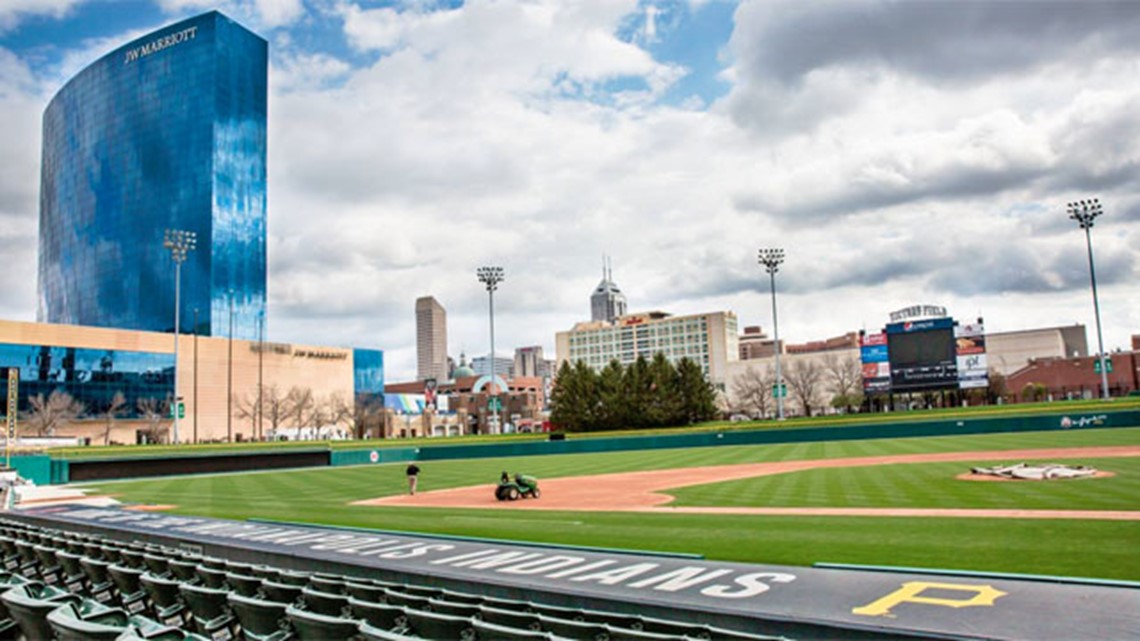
[900,152]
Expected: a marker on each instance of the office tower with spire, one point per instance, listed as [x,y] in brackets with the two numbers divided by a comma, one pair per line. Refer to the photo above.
[431,340]
[607,303]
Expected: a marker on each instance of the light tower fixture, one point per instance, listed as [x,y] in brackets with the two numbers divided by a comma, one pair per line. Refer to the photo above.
[180,243]
[771,258]
[491,277]
[1085,212]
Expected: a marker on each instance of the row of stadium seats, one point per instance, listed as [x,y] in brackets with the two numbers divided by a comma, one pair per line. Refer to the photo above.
[83,587]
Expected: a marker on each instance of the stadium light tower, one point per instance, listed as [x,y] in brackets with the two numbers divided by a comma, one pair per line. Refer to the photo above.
[1085,212]
[771,259]
[491,277]
[180,243]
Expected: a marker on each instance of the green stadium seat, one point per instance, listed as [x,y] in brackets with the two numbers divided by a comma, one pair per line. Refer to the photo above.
[369,632]
[143,629]
[421,590]
[431,625]
[310,626]
[48,567]
[131,594]
[11,555]
[451,608]
[627,634]
[93,550]
[280,592]
[183,571]
[27,559]
[327,583]
[9,630]
[70,622]
[573,629]
[72,576]
[112,553]
[292,577]
[168,607]
[157,564]
[380,615]
[30,603]
[239,567]
[213,562]
[244,584]
[209,610]
[363,591]
[100,586]
[509,618]
[485,631]
[324,602]
[211,577]
[397,597]
[569,614]
[617,620]
[132,558]
[264,572]
[461,597]
[260,620]
[505,604]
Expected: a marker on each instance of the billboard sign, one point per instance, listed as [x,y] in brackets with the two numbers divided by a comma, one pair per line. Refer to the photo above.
[874,354]
[970,348]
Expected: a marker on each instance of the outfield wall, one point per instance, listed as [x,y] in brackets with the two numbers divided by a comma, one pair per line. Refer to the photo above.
[1086,420]
[44,470]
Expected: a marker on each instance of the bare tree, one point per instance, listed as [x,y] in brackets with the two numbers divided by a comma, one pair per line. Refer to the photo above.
[154,412]
[49,414]
[368,412]
[752,391]
[846,377]
[303,407]
[276,407]
[339,412]
[115,409]
[804,380]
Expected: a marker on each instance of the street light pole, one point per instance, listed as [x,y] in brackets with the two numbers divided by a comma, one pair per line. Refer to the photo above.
[491,277]
[771,259]
[230,377]
[1084,212]
[179,242]
[195,374]
[260,369]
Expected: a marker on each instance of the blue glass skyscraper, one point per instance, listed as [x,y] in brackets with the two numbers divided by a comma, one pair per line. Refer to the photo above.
[165,132]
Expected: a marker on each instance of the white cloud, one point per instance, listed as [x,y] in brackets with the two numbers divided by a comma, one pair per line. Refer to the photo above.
[12,12]
[492,134]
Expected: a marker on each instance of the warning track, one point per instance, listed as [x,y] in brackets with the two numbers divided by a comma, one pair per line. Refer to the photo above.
[646,491]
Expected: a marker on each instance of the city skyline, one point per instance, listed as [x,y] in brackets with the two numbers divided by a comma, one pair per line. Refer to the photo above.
[900,153]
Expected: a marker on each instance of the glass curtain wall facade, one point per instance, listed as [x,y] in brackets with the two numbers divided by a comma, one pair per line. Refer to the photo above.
[165,132]
[91,376]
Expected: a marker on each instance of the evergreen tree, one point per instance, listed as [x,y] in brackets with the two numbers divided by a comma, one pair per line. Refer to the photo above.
[612,405]
[698,396]
[568,400]
[666,408]
[638,393]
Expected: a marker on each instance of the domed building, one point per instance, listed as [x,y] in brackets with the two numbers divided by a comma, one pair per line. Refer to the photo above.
[464,370]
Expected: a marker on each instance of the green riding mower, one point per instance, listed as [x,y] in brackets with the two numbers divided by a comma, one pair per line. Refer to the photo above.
[522,486]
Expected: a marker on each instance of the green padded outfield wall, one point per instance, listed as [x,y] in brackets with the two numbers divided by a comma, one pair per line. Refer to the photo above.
[585,444]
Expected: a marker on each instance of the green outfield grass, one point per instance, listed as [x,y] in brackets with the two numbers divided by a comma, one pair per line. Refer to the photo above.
[1104,549]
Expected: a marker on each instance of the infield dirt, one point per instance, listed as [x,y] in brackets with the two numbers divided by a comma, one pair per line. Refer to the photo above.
[646,491]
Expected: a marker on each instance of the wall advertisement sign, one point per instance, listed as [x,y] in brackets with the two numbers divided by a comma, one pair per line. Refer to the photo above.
[970,349]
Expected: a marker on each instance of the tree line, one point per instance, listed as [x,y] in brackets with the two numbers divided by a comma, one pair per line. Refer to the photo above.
[271,410]
[644,394]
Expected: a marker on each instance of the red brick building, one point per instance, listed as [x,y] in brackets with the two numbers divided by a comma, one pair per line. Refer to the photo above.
[1070,378]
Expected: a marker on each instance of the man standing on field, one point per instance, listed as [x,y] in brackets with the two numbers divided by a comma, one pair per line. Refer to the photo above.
[413,477]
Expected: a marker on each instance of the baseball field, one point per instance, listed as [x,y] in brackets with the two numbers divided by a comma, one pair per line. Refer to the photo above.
[897,502]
